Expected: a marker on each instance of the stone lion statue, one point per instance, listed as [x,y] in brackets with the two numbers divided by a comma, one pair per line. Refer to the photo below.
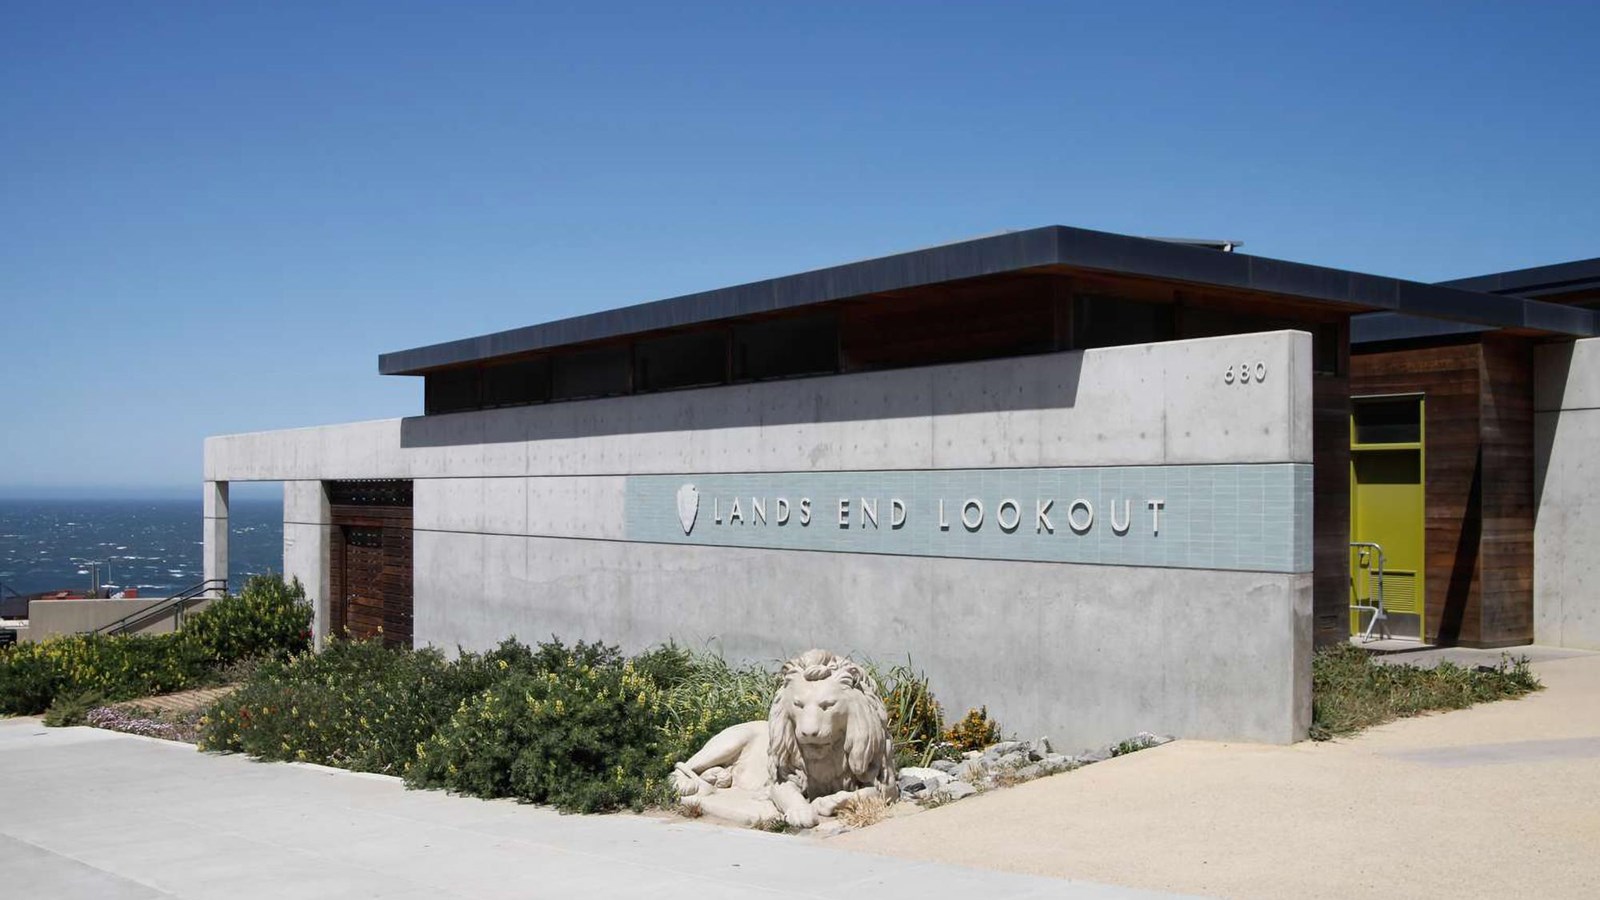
[825,744]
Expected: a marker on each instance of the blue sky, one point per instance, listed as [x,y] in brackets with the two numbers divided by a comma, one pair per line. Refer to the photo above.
[216,216]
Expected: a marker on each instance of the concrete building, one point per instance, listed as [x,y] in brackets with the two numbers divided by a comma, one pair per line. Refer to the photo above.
[1099,483]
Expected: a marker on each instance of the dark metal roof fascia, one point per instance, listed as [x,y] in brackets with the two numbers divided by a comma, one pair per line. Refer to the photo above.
[1014,251]
[1372,328]
[1556,278]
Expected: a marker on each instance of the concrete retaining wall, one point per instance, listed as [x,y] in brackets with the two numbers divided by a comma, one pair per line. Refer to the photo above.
[1566,535]
[524,525]
[50,618]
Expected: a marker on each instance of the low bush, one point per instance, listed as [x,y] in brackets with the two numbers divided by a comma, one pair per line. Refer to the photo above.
[579,737]
[355,705]
[975,731]
[72,709]
[33,675]
[916,721]
[579,727]
[268,618]
[1351,691]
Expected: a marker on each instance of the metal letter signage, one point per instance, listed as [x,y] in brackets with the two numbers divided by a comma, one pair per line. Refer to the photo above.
[1248,517]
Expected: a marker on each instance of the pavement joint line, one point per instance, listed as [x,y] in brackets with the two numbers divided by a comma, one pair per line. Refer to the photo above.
[83,862]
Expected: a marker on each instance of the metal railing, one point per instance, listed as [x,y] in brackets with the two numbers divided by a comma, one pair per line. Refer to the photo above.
[1374,603]
[175,606]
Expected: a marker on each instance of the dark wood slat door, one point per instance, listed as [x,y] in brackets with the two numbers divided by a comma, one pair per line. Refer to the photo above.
[371,562]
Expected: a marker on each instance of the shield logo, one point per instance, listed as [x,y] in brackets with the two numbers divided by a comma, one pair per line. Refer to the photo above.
[688,506]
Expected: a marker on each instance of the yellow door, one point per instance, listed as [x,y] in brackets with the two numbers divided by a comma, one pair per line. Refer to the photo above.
[1387,506]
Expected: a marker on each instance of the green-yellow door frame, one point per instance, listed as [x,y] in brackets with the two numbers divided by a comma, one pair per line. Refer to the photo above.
[1419,510]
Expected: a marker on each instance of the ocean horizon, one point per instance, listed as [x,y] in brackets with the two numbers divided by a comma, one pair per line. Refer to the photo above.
[151,543]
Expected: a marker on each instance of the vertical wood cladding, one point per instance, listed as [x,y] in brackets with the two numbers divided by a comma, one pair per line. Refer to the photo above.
[370,565]
[1478,454]
[1330,449]
[1505,562]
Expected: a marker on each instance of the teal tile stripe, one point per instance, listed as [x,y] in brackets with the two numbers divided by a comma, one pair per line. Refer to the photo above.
[1238,517]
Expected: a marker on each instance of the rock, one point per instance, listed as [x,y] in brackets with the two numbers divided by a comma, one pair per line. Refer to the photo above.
[1030,772]
[1012,760]
[934,776]
[958,790]
[995,751]
[1094,756]
[911,784]
[944,765]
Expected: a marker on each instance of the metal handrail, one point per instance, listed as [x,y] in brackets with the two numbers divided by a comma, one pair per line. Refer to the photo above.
[1380,618]
[177,604]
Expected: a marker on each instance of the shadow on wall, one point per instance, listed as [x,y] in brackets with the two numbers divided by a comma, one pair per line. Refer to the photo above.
[1552,366]
[1007,385]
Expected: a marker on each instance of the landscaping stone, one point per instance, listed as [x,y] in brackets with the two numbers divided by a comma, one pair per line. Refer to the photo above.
[1030,772]
[1011,760]
[958,790]
[944,765]
[935,777]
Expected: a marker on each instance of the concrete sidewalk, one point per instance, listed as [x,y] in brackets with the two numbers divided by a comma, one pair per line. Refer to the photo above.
[101,816]
[1500,800]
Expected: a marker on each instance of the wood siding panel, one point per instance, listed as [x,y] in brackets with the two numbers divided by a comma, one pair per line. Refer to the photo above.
[1505,558]
[1479,471]
[1330,488]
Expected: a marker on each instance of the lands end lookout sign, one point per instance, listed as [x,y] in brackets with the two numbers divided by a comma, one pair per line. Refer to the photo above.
[1245,517]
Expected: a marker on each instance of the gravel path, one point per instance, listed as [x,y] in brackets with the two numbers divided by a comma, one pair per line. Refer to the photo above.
[1494,801]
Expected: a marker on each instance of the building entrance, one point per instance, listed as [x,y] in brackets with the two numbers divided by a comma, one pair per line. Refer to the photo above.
[1388,555]
[370,566]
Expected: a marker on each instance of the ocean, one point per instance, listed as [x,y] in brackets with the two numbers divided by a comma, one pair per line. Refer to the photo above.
[153,545]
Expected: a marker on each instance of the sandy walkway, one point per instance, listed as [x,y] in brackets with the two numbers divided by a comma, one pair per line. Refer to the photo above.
[1495,801]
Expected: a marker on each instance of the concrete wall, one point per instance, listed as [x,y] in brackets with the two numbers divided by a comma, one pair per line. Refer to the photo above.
[1566,534]
[50,618]
[522,526]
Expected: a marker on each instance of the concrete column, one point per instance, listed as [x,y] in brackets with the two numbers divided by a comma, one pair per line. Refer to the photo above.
[307,536]
[214,534]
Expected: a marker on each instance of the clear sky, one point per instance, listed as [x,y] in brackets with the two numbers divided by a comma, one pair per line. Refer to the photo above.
[214,216]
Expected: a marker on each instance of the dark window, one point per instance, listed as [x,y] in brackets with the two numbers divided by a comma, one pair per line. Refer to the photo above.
[1388,420]
[450,391]
[590,373]
[513,383]
[783,348]
[695,359]
[1099,321]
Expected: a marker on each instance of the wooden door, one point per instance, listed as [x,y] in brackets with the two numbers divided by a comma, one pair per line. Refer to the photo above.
[371,564]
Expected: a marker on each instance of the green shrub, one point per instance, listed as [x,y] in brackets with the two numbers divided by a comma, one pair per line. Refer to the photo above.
[118,668]
[355,705]
[703,695]
[916,721]
[975,731]
[268,618]
[581,737]
[72,709]
[1350,691]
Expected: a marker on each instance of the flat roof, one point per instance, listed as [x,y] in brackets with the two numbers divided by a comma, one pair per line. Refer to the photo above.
[1532,283]
[1539,281]
[1017,251]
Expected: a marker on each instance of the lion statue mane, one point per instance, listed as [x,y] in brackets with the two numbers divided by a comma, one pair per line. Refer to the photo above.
[825,744]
